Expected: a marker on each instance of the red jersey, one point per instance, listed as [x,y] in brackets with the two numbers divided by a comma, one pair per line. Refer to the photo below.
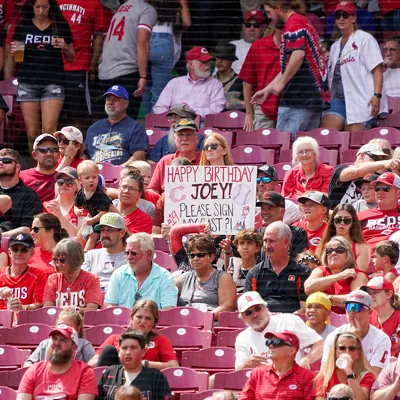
[41,259]
[391,327]
[28,287]
[85,17]
[138,221]
[314,237]
[40,382]
[42,184]
[84,289]
[386,6]
[74,163]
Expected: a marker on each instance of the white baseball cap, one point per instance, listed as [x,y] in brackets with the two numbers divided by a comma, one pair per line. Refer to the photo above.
[249,299]
[71,133]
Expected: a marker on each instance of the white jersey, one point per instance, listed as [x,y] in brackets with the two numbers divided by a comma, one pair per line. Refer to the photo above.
[242,48]
[391,82]
[360,55]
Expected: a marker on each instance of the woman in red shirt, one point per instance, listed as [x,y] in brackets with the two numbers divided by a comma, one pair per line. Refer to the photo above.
[70,144]
[159,354]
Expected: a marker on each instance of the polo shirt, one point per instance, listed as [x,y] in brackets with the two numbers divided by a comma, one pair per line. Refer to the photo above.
[159,286]
[265,383]
[282,292]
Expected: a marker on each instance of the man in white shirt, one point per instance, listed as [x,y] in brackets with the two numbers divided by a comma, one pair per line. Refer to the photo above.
[250,344]
[391,77]
[376,344]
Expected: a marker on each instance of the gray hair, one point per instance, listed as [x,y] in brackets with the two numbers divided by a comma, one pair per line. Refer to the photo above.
[283,230]
[145,241]
[73,252]
[304,140]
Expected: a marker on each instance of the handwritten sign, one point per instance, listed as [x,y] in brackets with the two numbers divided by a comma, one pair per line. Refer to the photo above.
[223,196]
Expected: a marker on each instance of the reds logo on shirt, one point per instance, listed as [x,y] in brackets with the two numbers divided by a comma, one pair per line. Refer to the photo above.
[76,299]
[291,278]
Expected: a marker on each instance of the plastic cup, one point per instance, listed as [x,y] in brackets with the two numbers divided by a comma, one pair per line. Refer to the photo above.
[342,362]
[19,52]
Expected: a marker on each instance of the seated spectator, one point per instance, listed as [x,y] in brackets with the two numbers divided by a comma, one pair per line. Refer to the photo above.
[309,174]
[69,316]
[391,76]
[341,391]
[70,145]
[71,286]
[21,286]
[204,287]
[225,395]
[309,258]
[274,381]
[144,318]
[202,93]
[141,278]
[368,198]
[145,170]
[314,206]
[344,223]
[279,279]
[387,384]
[61,374]
[132,348]
[318,310]
[386,256]
[216,151]
[118,139]
[384,144]
[128,393]
[41,178]
[46,232]
[103,262]
[233,86]
[339,277]
[375,343]
[355,372]
[186,142]
[250,346]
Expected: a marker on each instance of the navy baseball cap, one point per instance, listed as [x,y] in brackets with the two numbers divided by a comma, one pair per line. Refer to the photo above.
[22,238]
[118,91]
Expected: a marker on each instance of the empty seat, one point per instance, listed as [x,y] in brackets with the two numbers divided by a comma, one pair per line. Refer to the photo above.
[228,120]
[183,380]
[112,315]
[188,316]
[46,315]
[199,396]
[281,169]
[165,260]
[228,135]
[229,321]
[232,380]
[161,244]
[393,119]
[252,155]
[110,173]
[26,336]
[6,318]
[12,378]
[12,357]
[328,138]
[227,338]
[154,135]
[358,139]
[96,335]
[7,393]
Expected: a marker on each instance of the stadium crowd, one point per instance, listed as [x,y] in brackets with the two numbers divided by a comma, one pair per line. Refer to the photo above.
[311,285]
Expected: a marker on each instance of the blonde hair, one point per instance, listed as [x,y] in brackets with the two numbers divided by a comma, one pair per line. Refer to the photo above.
[341,387]
[87,166]
[75,315]
[223,143]
[304,140]
[140,164]
[350,261]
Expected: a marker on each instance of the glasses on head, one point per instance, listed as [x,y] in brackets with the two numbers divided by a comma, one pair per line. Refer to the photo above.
[129,188]
[352,349]
[252,24]
[63,140]
[212,146]
[390,49]
[276,343]
[20,249]
[305,152]
[386,189]
[67,182]
[131,253]
[7,160]
[59,260]
[356,307]
[36,229]
[264,179]
[249,313]
[341,14]
[45,150]
[337,250]
[345,220]
[184,135]
[192,256]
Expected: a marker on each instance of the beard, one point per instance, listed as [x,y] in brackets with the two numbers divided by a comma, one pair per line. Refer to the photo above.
[202,74]
[59,358]
[9,173]
[171,140]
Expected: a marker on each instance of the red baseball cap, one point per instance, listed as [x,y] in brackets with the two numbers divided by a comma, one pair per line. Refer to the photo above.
[378,283]
[389,178]
[199,53]
[285,335]
[254,14]
[346,6]
[67,332]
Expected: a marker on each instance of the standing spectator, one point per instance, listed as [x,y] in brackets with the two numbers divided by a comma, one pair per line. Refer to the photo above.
[126,50]
[25,202]
[3,109]
[302,81]
[46,35]
[391,76]
[41,179]
[318,310]
[118,139]
[252,30]
[202,93]
[355,64]
[70,145]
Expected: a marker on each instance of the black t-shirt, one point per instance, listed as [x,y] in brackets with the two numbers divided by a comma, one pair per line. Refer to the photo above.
[98,202]
[43,64]
[3,104]
[342,192]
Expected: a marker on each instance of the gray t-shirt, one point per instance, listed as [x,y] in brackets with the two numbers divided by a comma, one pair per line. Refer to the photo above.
[120,45]
[103,264]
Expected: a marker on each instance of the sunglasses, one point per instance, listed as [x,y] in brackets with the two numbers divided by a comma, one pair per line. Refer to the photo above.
[60,260]
[252,24]
[131,253]
[64,141]
[356,307]
[264,179]
[192,256]
[7,160]
[67,182]
[343,14]
[276,343]
[212,146]
[386,189]
[352,349]
[340,398]
[21,249]
[45,150]
[345,220]
[36,228]
[248,313]
[337,250]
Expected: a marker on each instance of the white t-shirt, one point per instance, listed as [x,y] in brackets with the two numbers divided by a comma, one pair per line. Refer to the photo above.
[391,82]
[242,48]
[292,212]
[251,342]
[376,345]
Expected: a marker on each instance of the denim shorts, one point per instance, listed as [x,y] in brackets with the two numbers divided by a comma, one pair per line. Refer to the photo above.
[32,92]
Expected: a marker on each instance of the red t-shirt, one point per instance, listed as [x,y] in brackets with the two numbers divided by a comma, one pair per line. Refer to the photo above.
[386,6]
[138,221]
[160,348]
[39,380]
[74,163]
[41,259]
[27,287]
[260,67]
[85,289]
[314,237]
[391,327]
[42,184]
[151,196]
[295,185]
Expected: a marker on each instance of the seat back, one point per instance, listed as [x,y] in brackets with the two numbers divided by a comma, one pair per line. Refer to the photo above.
[160,244]
[358,139]
[154,135]
[98,372]
[187,316]
[252,155]
[27,335]
[12,358]
[281,169]
[110,173]
[338,319]
[46,315]
[227,338]
[187,336]
[161,121]
[7,393]
[6,318]
[213,359]
[326,156]
[229,120]
[199,396]
[96,335]
[165,260]
[232,380]
[185,379]
[228,135]
[328,138]
[12,378]
[267,138]
[228,319]
[112,315]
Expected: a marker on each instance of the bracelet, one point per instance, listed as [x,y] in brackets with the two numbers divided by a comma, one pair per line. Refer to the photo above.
[143,77]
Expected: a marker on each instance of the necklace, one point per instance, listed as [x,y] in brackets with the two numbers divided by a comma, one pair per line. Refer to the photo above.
[69,286]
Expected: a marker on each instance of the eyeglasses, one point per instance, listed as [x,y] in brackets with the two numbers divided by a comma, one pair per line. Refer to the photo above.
[131,253]
[249,313]
[305,152]
[276,343]
[64,141]
[212,146]
[36,228]
[67,182]
[184,135]
[252,24]
[7,160]
[390,49]
[352,349]
[356,307]
[386,189]
[341,14]
[21,249]
[337,250]
[129,188]
[192,256]
[45,150]
[60,260]
[264,179]
[345,220]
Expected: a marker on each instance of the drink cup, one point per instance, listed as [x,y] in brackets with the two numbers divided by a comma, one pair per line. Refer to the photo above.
[342,363]
[19,52]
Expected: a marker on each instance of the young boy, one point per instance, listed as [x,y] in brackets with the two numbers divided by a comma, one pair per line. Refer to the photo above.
[145,170]
[386,255]
[368,200]
[91,198]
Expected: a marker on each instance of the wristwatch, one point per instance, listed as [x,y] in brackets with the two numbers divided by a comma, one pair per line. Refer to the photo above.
[378,95]
[146,363]
[351,376]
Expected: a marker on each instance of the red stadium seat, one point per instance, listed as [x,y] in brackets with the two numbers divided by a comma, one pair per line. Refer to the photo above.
[110,173]
[281,169]
[184,338]
[232,380]
[161,244]
[229,321]
[326,156]
[228,120]
[165,260]
[228,135]
[252,155]
[154,135]
[96,335]
[183,380]
[112,315]
[12,358]
[26,336]
[187,316]
[161,121]
[6,318]
[227,338]
[338,319]
[7,393]
[360,138]
[393,119]
[12,379]
[349,156]
[98,372]
[46,315]
[199,396]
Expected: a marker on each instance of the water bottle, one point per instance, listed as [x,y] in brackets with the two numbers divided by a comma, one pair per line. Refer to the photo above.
[342,363]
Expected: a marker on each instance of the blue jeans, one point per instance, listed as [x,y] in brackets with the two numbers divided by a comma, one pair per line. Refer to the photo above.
[161,65]
[297,119]
[391,21]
